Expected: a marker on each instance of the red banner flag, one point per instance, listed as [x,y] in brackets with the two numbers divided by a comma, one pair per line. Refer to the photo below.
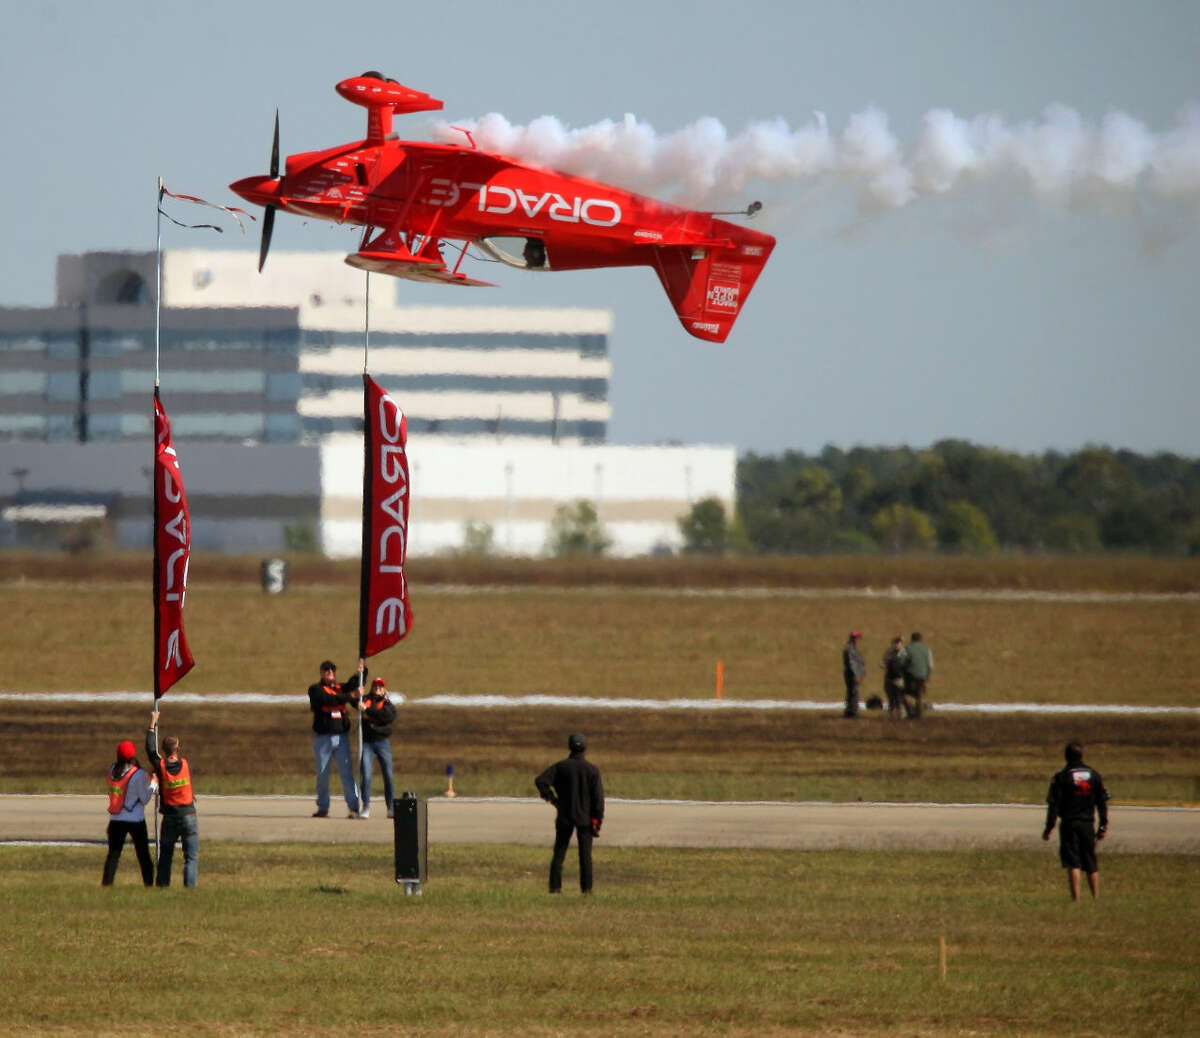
[172,550]
[384,615]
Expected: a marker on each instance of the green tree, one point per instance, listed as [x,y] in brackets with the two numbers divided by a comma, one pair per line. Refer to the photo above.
[1073,533]
[479,539]
[576,530]
[903,528]
[965,527]
[705,528]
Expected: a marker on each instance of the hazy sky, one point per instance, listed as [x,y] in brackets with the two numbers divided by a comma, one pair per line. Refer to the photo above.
[1020,275]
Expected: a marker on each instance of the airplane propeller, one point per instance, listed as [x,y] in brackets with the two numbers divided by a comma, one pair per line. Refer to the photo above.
[269,215]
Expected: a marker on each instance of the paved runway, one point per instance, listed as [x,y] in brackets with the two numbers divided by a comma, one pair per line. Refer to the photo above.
[629,823]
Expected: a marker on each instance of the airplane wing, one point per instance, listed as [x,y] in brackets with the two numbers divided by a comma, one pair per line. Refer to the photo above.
[414,268]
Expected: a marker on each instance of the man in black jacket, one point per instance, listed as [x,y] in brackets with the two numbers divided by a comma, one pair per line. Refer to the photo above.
[378,716]
[573,786]
[331,704]
[1076,795]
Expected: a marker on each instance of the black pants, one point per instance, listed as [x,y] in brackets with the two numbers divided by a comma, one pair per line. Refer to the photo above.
[914,689]
[851,697]
[562,840]
[117,831]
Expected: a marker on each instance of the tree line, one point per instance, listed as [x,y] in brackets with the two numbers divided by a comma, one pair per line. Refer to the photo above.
[955,496]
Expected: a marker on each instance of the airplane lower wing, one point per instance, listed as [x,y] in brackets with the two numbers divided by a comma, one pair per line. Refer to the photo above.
[414,268]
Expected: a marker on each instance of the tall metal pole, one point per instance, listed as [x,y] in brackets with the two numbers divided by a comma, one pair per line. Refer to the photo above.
[365,519]
[158,280]
[154,468]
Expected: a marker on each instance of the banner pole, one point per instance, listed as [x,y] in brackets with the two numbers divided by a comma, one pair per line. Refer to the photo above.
[364,562]
[157,794]
[366,322]
[158,279]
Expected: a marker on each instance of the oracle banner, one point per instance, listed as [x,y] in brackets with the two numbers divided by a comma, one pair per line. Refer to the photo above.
[172,549]
[384,613]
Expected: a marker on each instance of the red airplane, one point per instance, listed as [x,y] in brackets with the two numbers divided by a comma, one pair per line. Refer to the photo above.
[418,200]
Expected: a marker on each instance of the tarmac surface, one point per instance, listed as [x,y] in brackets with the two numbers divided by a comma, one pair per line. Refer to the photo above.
[628,823]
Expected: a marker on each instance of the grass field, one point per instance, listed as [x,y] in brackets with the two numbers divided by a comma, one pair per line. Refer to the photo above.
[656,637]
[656,642]
[312,940]
[306,940]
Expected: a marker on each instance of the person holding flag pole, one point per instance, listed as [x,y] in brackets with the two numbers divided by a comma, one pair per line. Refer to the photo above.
[172,530]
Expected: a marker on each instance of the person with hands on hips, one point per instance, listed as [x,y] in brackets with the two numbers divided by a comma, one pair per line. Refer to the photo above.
[573,786]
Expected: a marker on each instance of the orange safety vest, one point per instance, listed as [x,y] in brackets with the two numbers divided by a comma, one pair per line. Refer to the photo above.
[117,788]
[335,710]
[175,790]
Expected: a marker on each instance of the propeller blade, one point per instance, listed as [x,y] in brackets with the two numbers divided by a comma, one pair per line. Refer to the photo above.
[269,215]
[275,147]
[268,226]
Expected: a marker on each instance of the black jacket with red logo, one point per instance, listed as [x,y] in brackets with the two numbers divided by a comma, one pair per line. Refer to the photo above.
[1077,793]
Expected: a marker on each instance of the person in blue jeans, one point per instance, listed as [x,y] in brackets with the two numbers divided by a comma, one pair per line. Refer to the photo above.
[177,804]
[377,718]
[331,704]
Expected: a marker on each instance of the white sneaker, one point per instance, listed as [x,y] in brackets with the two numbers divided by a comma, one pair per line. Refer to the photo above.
[365,813]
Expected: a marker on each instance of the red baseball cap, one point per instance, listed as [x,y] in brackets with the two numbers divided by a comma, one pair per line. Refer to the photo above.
[126,750]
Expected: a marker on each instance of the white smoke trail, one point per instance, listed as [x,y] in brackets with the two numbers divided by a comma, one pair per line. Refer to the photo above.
[1056,158]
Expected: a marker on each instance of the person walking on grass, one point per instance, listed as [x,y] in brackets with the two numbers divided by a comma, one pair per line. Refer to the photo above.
[1076,796]
[130,788]
[331,704]
[377,717]
[177,804]
[574,787]
[853,672]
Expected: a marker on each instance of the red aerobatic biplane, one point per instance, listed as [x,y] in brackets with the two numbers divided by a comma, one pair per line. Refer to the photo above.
[415,199]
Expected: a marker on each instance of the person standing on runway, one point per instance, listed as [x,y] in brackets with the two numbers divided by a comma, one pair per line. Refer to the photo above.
[574,787]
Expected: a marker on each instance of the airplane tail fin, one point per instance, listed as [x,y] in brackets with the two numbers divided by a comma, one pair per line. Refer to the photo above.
[708,284]
[383,98]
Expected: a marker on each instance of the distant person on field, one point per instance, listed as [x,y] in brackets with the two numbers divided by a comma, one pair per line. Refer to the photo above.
[918,669]
[331,704]
[177,804]
[853,672]
[894,661]
[1076,794]
[130,788]
[378,715]
[573,786]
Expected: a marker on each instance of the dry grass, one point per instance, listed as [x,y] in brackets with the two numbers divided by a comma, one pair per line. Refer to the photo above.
[641,642]
[309,940]
[611,642]
[1001,570]
[699,755]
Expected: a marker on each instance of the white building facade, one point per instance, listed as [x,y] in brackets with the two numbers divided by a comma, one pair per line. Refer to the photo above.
[262,377]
